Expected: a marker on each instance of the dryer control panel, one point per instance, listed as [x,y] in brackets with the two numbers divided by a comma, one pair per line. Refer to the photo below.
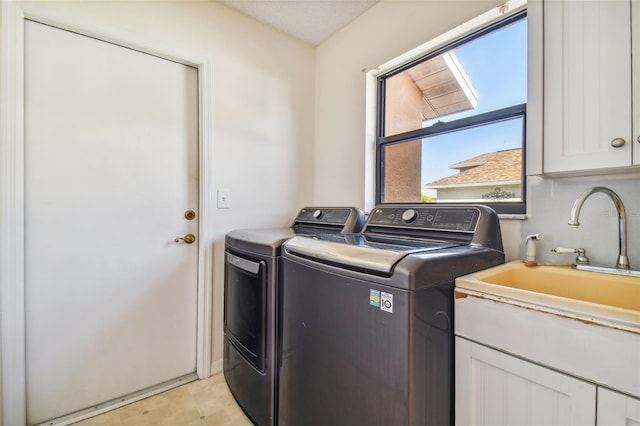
[328,220]
[336,216]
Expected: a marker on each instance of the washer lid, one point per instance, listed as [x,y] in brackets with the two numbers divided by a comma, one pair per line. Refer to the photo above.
[356,251]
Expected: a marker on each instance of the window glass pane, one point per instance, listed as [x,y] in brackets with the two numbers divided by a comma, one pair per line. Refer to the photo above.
[480,165]
[402,179]
[485,74]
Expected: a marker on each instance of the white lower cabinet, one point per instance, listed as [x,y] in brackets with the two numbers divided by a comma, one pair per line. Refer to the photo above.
[493,388]
[528,359]
[616,409]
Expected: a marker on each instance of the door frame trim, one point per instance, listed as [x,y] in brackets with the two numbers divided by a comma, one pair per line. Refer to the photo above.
[12,260]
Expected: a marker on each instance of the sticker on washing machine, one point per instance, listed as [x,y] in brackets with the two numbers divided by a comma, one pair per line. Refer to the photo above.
[386,302]
[374,298]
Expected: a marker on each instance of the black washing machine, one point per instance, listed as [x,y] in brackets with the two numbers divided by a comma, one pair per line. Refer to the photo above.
[252,258]
[367,319]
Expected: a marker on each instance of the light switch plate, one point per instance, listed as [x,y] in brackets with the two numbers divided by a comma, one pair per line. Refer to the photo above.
[224,199]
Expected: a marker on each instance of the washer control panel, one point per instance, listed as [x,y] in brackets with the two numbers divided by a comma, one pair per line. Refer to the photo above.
[450,218]
[409,215]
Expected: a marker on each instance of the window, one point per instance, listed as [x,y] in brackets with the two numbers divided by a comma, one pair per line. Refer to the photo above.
[451,124]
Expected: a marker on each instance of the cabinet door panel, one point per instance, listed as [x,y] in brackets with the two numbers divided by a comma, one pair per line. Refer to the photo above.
[616,409]
[587,85]
[635,55]
[493,388]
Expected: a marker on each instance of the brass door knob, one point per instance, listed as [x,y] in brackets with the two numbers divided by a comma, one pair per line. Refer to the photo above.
[189,238]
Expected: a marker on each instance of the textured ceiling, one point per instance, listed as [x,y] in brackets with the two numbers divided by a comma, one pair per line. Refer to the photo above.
[312,21]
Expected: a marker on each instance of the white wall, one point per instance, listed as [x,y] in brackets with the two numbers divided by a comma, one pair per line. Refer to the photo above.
[262,106]
[550,204]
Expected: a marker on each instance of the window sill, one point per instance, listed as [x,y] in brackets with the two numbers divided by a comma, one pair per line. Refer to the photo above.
[512,216]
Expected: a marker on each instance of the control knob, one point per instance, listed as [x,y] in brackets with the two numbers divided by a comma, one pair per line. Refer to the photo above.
[409,215]
[317,214]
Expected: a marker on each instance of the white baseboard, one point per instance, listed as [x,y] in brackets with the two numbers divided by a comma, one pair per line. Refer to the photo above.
[216,366]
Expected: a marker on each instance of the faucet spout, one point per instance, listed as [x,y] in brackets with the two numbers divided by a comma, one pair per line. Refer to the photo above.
[623,260]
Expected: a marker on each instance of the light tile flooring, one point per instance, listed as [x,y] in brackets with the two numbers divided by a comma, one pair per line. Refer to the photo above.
[203,402]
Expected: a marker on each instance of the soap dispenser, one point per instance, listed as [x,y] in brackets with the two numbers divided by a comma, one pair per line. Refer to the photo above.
[530,257]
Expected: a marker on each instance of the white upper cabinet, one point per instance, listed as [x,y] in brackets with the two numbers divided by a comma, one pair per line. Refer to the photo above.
[635,42]
[587,86]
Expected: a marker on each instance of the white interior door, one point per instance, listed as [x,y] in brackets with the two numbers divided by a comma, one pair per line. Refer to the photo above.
[111,166]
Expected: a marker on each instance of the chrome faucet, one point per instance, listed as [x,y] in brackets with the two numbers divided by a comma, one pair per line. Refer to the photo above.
[623,260]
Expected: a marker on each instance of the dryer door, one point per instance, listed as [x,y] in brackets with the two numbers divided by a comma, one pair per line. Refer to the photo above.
[245,292]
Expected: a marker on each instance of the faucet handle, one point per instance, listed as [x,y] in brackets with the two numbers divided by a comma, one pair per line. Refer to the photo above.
[581,258]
